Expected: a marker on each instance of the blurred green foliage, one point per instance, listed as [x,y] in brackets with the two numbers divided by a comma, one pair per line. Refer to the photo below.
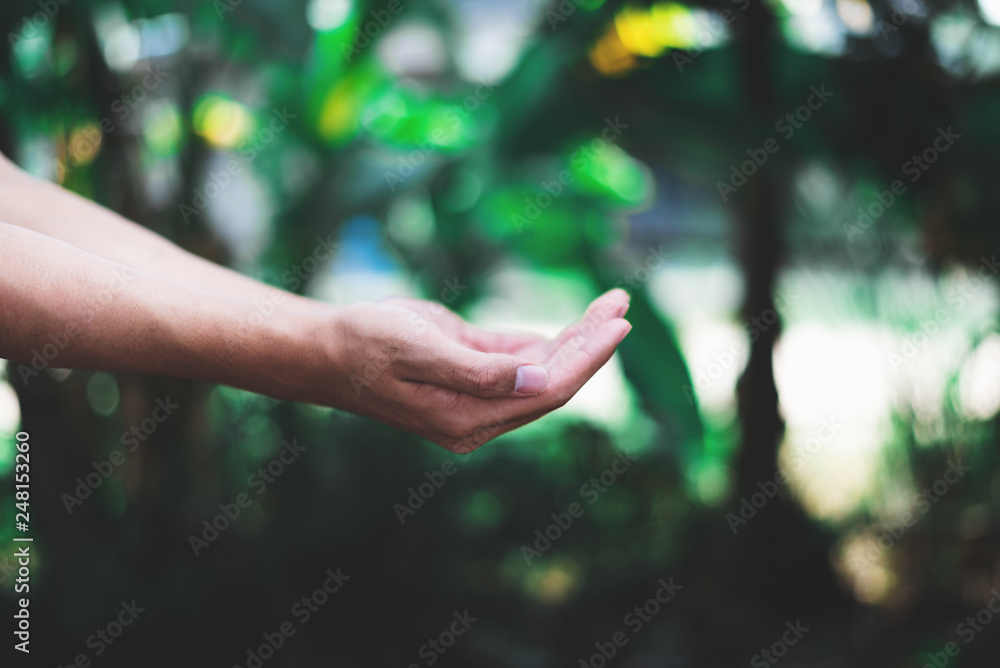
[535,185]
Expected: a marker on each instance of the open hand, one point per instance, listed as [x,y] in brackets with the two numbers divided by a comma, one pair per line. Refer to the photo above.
[417,366]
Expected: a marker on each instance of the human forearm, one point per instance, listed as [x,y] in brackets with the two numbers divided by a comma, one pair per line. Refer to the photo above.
[102,315]
[51,210]
[409,365]
[81,287]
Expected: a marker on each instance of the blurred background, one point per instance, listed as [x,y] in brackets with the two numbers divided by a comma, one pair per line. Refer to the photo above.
[801,196]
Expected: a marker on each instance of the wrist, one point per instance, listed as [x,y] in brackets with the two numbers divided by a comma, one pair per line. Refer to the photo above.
[298,351]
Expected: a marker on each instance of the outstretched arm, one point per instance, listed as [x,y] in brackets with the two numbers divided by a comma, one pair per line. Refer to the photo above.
[407,363]
[44,207]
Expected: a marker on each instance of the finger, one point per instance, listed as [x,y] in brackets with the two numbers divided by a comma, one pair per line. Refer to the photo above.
[490,422]
[610,305]
[457,328]
[444,362]
[579,358]
[463,422]
[498,342]
[574,364]
[488,432]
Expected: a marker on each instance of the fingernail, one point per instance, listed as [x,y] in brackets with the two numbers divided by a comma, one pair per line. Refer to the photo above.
[625,333]
[623,308]
[531,379]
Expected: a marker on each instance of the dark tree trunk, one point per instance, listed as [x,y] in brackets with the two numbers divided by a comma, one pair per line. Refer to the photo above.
[782,556]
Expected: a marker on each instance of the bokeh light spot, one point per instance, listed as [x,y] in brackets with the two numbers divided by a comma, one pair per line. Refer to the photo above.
[84,144]
[103,394]
[325,15]
[223,122]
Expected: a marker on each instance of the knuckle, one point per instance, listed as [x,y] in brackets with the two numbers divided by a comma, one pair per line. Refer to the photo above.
[486,380]
[397,351]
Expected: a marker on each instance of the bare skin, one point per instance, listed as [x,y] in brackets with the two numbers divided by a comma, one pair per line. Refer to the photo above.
[110,295]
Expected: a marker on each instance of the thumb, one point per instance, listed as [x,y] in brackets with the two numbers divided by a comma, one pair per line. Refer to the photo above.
[485,375]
